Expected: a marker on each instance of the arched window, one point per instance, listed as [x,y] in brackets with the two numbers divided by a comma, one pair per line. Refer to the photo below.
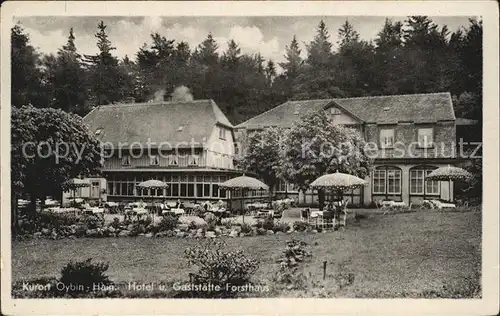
[386,180]
[418,184]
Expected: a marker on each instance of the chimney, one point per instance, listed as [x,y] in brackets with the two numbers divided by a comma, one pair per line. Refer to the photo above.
[182,94]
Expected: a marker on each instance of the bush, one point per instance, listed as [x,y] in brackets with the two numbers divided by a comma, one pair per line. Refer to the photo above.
[211,219]
[93,222]
[300,226]
[281,227]
[267,223]
[116,223]
[261,231]
[54,220]
[168,222]
[80,277]
[220,267]
[246,228]
[227,222]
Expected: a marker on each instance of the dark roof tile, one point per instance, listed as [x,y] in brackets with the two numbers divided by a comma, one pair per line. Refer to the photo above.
[156,122]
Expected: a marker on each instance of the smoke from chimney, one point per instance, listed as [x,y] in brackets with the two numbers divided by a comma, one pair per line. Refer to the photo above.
[159,94]
[182,94]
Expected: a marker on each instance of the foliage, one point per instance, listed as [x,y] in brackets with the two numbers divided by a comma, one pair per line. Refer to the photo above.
[246,228]
[227,222]
[300,226]
[81,276]
[267,223]
[430,57]
[55,220]
[281,227]
[93,222]
[263,154]
[60,148]
[316,146]
[168,222]
[218,266]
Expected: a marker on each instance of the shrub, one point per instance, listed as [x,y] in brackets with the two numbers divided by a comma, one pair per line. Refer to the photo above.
[92,222]
[211,219]
[116,223]
[168,222]
[267,223]
[221,267]
[261,231]
[246,228]
[300,226]
[227,222]
[281,227]
[192,225]
[80,277]
[54,220]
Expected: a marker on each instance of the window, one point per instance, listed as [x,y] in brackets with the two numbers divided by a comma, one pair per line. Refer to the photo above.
[425,137]
[193,160]
[175,189]
[379,181]
[126,161]
[206,190]
[431,186]
[199,190]
[190,189]
[173,160]
[183,189]
[154,161]
[222,133]
[418,182]
[94,191]
[215,190]
[387,180]
[386,138]
[394,181]
[335,111]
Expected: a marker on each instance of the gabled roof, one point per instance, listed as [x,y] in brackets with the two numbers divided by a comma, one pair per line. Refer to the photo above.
[172,122]
[390,109]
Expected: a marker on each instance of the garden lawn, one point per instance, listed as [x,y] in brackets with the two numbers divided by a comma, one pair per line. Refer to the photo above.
[394,255]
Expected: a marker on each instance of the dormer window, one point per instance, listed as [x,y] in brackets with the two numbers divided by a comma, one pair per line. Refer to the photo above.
[387,138]
[154,161]
[193,160]
[425,137]
[126,160]
[173,160]
[335,111]
[222,133]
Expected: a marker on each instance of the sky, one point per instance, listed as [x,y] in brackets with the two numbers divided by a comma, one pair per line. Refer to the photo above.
[267,35]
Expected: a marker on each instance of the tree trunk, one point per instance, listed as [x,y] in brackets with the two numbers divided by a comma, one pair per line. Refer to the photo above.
[321,199]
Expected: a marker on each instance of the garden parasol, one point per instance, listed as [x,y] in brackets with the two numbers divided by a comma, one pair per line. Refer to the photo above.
[449,173]
[152,184]
[244,183]
[338,181]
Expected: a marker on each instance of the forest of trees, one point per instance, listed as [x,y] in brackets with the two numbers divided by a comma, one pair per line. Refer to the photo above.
[414,56]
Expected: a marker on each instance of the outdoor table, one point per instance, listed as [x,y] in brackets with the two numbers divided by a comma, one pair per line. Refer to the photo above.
[257,205]
[263,212]
[175,211]
[316,215]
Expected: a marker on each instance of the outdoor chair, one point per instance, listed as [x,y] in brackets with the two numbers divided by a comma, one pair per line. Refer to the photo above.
[327,219]
[305,215]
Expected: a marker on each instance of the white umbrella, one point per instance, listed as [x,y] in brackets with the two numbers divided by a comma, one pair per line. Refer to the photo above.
[244,183]
[449,173]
